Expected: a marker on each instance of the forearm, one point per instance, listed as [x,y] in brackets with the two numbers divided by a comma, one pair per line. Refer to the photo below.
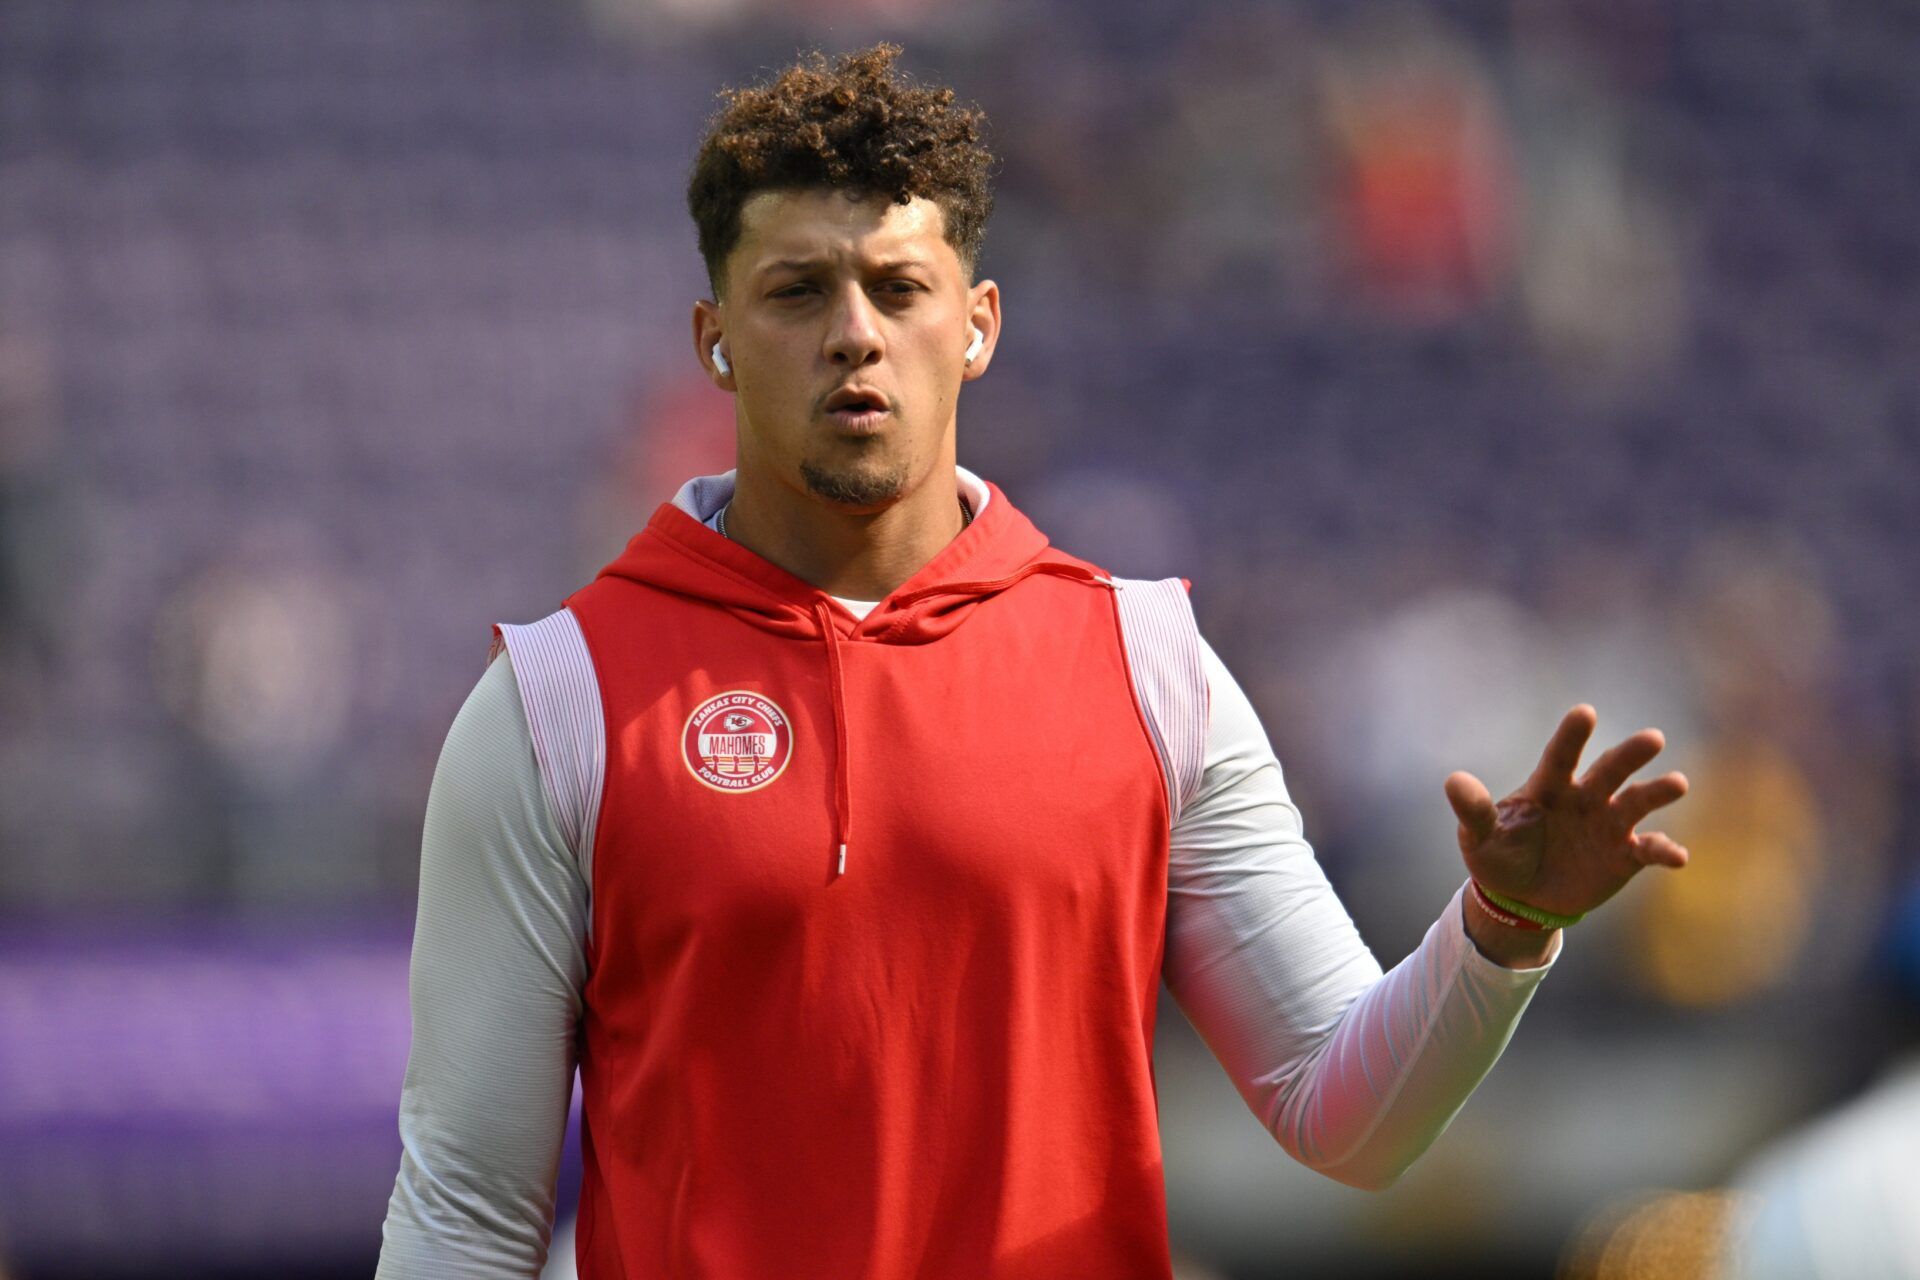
[1403,1059]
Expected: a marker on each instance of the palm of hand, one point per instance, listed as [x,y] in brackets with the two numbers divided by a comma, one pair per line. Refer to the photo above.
[1562,845]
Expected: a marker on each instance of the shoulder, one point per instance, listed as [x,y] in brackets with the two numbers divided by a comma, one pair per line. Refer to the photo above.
[1165,661]
[560,697]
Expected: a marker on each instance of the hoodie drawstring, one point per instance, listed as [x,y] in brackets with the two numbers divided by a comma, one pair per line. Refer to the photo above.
[842,782]
[842,805]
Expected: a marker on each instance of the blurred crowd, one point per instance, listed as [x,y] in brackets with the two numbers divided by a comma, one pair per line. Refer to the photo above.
[1472,359]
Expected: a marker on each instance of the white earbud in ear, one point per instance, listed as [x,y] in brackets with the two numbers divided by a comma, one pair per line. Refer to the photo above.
[720,361]
[979,340]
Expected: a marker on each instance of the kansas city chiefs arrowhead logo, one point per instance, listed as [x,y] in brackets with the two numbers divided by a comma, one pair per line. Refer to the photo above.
[737,741]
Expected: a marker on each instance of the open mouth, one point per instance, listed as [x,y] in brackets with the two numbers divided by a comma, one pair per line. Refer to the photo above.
[857,410]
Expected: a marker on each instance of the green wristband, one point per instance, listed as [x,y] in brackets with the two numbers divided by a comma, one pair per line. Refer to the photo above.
[1545,919]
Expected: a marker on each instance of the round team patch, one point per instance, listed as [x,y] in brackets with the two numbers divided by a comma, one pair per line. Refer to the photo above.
[736,741]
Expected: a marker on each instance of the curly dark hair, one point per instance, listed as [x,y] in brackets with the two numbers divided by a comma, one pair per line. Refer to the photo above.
[856,127]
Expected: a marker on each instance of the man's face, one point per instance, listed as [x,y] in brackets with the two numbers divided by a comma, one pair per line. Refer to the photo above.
[827,295]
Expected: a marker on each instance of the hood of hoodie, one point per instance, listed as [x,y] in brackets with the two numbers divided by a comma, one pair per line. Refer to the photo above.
[678,552]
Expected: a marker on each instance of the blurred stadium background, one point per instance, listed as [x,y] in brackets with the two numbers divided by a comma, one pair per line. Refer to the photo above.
[1472,359]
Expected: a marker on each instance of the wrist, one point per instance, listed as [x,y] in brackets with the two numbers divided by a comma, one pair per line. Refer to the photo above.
[1520,915]
[1512,946]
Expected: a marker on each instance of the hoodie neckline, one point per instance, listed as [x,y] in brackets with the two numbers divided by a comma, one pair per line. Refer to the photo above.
[702,496]
[976,563]
[705,497]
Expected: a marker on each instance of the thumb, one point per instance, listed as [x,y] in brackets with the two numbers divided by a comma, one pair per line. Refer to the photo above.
[1472,804]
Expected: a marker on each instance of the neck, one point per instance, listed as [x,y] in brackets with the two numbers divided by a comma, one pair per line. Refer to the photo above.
[859,555]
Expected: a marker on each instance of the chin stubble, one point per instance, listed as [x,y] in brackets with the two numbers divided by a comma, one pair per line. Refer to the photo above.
[854,487]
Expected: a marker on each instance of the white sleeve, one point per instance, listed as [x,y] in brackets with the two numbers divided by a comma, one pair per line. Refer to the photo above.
[498,963]
[1353,1072]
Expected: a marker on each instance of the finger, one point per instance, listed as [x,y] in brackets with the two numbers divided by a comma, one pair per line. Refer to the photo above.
[1472,804]
[1642,798]
[1658,849]
[1563,749]
[1616,764]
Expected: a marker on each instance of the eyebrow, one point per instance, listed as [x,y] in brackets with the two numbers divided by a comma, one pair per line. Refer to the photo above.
[805,264]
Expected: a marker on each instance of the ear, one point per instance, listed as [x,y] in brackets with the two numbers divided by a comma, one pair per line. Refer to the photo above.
[983,313]
[709,327]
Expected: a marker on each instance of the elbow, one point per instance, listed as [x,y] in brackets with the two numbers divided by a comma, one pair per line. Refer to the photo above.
[1364,1177]
[1372,1166]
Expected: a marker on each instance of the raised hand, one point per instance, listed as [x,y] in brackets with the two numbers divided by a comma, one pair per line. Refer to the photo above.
[1565,846]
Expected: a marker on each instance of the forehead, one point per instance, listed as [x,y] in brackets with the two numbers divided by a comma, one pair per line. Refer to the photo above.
[816,223]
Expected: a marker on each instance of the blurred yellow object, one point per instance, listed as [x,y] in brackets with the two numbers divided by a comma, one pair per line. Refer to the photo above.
[1661,1235]
[1735,920]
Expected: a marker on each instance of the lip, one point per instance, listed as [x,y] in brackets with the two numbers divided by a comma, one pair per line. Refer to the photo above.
[856,394]
[860,421]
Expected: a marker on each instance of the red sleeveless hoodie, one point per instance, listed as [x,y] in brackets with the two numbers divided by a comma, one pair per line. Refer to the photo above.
[877,920]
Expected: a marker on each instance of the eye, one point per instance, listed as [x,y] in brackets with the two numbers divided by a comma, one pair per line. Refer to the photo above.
[788,292]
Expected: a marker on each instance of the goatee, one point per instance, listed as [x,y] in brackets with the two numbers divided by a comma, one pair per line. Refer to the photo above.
[854,487]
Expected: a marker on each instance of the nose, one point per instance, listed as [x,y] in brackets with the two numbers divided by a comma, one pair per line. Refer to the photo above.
[853,333]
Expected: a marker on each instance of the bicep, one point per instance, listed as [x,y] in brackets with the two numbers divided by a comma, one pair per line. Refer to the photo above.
[495,979]
[1261,955]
